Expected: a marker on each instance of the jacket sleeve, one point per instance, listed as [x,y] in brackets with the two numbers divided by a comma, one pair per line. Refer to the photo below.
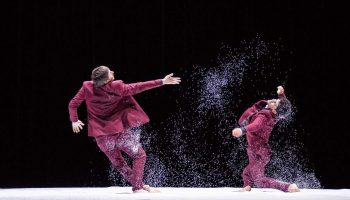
[75,103]
[245,117]
[255,125]
[135,88]
[260,105]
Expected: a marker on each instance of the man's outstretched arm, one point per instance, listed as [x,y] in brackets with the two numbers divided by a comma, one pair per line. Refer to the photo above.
[135,88]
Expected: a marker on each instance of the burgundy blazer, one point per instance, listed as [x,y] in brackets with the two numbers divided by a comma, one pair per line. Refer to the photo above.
[111,109]
[257,123]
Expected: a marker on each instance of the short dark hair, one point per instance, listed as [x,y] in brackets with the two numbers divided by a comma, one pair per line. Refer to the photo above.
[99,75]
[284,109]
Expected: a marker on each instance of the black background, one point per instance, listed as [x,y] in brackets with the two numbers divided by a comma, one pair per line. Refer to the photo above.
[50,47]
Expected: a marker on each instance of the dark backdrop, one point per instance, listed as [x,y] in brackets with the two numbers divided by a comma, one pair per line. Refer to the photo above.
[50,47]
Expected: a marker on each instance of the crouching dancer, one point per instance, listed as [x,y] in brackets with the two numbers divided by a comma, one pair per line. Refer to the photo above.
[257,123]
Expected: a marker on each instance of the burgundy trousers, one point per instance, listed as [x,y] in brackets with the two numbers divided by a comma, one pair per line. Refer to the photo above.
[128,142]
[254,173]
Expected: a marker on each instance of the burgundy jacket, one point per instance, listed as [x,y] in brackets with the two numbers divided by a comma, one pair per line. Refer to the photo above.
[257,123]
[111,109]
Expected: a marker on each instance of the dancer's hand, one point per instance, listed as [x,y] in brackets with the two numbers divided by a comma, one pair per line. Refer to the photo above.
[280,90]
[169,79]
[237,132]
[77,126]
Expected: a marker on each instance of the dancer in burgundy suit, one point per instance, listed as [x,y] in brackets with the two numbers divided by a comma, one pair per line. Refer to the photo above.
[112,115]
[257,123]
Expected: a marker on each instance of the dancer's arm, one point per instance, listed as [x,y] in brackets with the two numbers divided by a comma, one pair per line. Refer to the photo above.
[135,88]
[77,125]
[251,127]
[245,117]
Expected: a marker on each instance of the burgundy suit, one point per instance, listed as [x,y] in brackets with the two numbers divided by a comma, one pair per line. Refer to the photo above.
[112,113]
[257,123]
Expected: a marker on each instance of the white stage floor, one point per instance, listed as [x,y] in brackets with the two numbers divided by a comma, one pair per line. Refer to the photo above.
[124,193]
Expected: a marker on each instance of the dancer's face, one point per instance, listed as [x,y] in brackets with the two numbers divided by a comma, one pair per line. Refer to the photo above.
[273,104]
[110,75]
